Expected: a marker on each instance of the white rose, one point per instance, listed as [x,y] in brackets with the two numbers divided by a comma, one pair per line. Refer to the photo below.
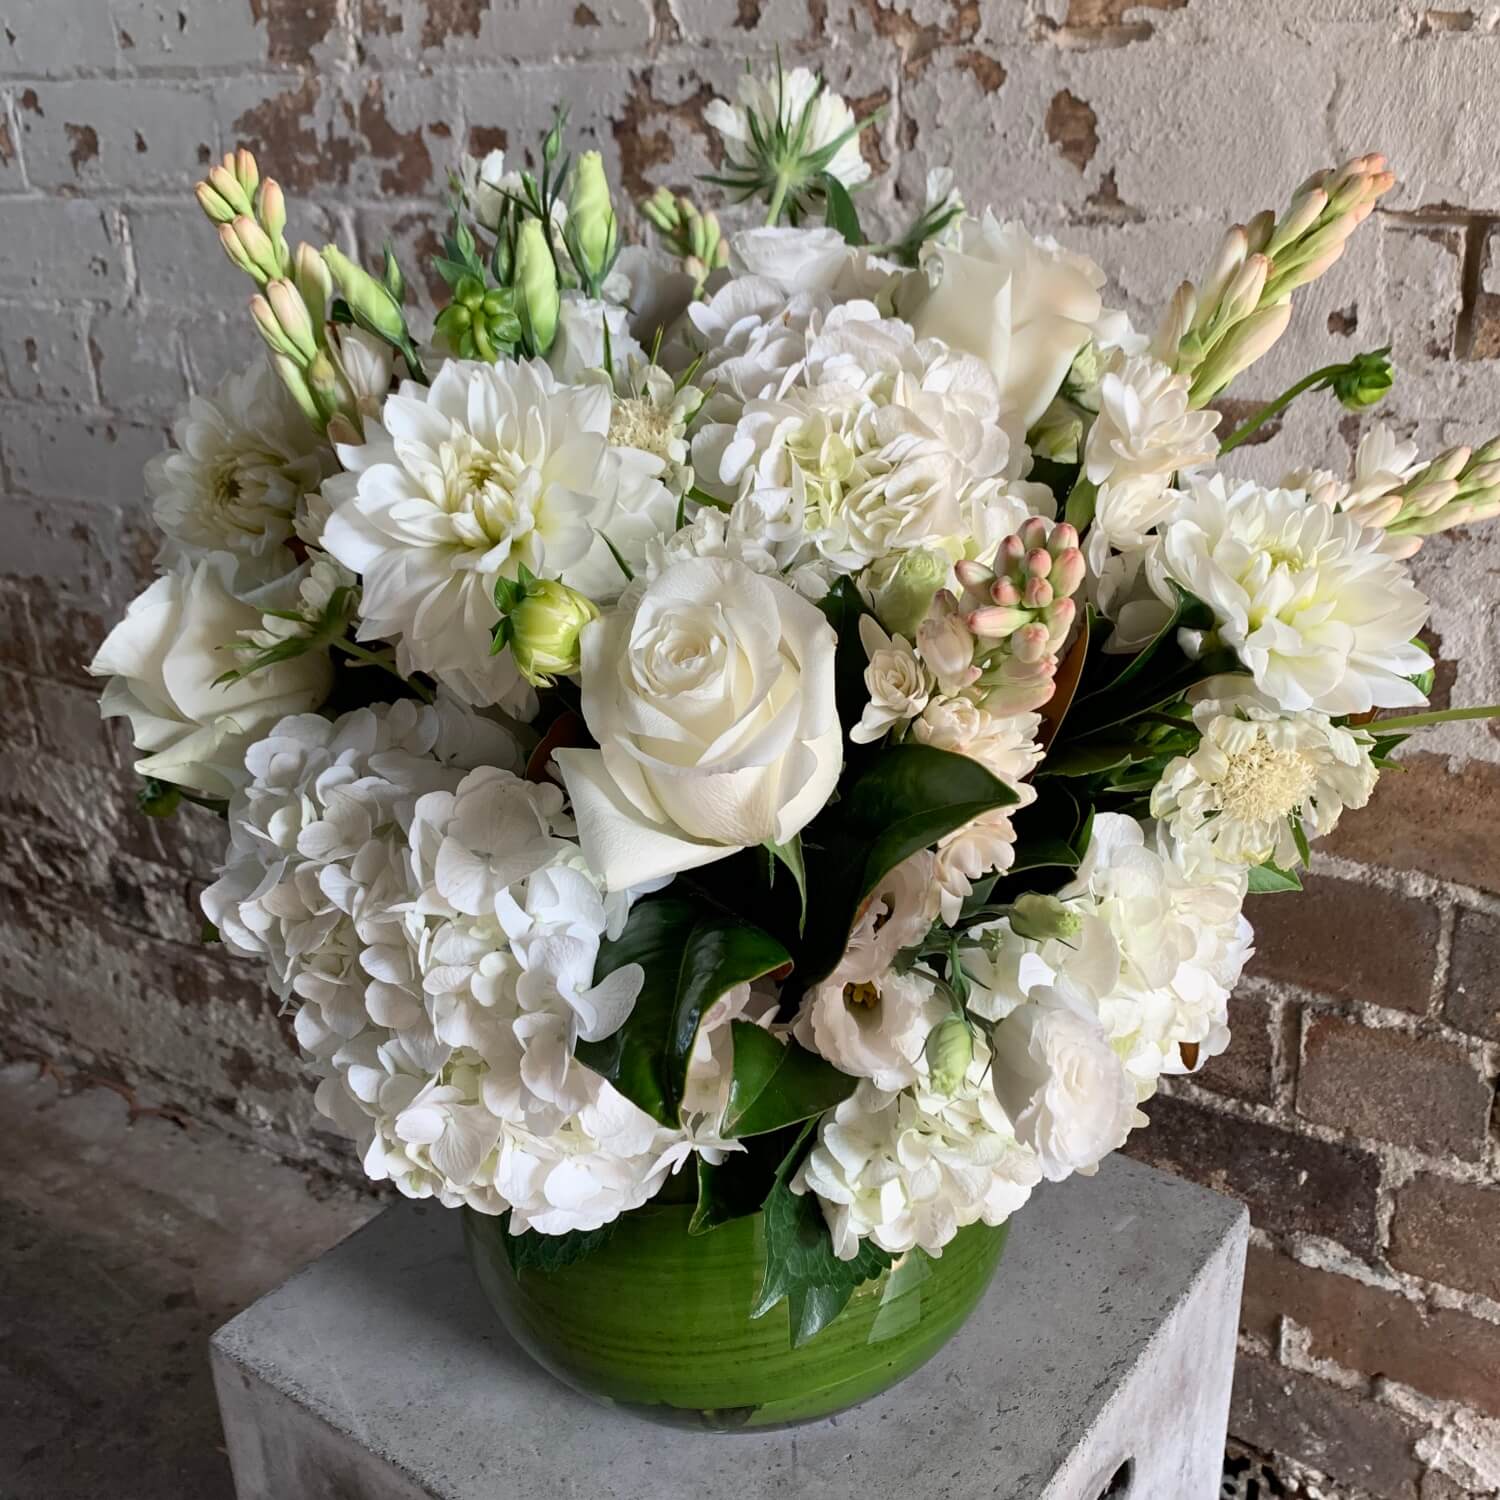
[1023,306]
[710,692]
[1056,1076]
[163,661]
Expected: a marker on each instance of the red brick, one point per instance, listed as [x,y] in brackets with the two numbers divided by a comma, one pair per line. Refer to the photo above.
[1247,1069]
[1349,941]
[1327,1428]
[1292,1184]
[1441,1352]
[1393,1086]
[1426,817]
[1449,1232]
[1473,1002]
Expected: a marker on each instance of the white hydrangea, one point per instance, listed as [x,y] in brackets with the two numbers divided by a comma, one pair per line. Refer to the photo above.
[488,468]
[243,461]
[912,1168]
[1319,616]
[1256,775]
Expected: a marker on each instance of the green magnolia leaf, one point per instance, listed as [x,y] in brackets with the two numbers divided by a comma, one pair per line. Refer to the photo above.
[841,214]
[1267,879]
[691,953]
[790,855]
[1043,854]
[1089,758]
[904,799]
[530,1251]
[1299,836]
[775,1084]
[739,1184]
[800,1263]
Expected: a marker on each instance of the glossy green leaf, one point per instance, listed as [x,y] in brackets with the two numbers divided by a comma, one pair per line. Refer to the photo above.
[776,1084]
[1267,879]
[691,953]
[843,607]
[790,856]
[904,799]
[739,1184]
[800,1263]
[1089,758]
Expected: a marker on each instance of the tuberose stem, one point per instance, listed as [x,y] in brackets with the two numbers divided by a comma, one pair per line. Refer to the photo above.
[1437,716]
[1271,408]
[375,659]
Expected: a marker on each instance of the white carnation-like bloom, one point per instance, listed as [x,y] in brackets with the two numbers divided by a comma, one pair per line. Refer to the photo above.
[1064,1088]
[1382,463]
[578,346]
[1024,306]
[710,693]
[875,1027]
[244,458]
[488,468]
[1144,428]
[913,1168]
[897,682]
[165,660]
[1317,614]
[1258,773]
[794,105]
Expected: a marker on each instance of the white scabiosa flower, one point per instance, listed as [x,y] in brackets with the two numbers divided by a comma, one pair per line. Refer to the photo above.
[488,468]
[1305,598]
[913,1168]
[787,130]
[1144,428]
[1258,774]
[243,460]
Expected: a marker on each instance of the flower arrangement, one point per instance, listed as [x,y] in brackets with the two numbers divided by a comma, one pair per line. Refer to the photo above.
[778,715]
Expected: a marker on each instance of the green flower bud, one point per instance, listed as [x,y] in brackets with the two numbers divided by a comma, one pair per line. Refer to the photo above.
[542,624]
[1364,380]
[311,278]
[950,1050]
[296,382]
[593,234]
[902,587]
[250,248]
[371,303]
[536,286]
[1042,917]
[271,211]
[661,209]
[1058,434]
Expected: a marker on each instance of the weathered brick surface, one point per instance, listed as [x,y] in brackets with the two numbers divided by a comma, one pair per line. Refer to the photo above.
[1348,941]
[1448,1232]
[1373,1332]
[1416,1091]
[1351,1108]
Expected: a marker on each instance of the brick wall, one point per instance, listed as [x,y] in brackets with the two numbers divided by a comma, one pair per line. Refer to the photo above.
[1355,1110]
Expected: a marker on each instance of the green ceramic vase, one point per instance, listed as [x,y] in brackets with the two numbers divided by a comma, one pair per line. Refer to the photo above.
[657,1321]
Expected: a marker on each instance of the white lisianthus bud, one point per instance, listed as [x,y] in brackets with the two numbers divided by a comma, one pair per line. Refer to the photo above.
[1042,917]
[950,1050]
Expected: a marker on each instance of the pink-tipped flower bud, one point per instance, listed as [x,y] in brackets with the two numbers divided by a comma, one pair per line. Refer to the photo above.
[1033,533]
[998,622]
[1060,619]
[1012,550]
[1038,562]
[1003,591]
[1038,593]
[1062,539]
[974,575]
[1067,572]
[1030,643]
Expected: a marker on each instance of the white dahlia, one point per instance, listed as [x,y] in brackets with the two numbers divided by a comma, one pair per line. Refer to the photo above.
[1305,598]
[245,458]
[488,468]
[1256,775]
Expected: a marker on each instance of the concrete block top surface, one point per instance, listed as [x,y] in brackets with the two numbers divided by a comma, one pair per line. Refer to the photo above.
[388,1341]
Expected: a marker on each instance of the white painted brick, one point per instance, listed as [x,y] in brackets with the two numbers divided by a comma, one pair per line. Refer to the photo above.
[128,133]
[71,549]
[97,458]
[58,248]
[138,361]
[168,34]
[465,31]
[44,356]
[37,39]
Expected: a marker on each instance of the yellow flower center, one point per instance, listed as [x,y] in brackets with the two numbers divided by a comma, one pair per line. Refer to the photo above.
[863,993]
[1265,782]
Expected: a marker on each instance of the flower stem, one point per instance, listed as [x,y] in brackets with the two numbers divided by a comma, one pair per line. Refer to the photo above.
[1271,408]
[1437,716]
[778,198]
[377,659]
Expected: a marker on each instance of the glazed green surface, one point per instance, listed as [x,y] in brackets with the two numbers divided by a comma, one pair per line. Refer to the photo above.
[659,1321]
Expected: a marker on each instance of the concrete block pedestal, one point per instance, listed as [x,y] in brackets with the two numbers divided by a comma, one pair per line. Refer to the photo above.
[1098,1367]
